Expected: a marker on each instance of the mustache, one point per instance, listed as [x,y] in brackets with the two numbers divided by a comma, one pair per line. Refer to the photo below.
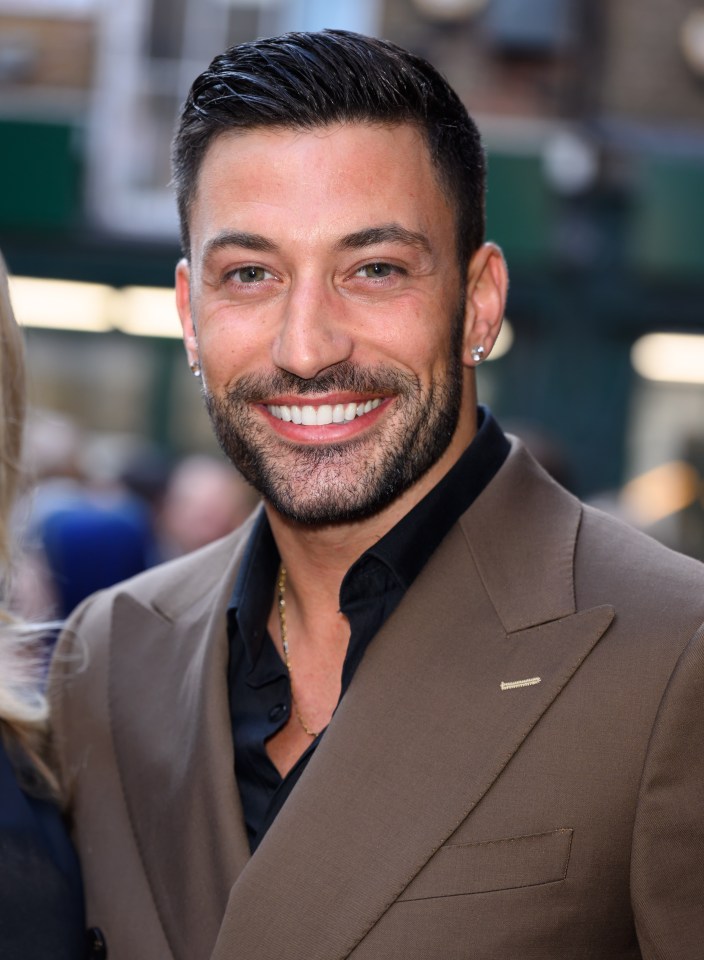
[344,376]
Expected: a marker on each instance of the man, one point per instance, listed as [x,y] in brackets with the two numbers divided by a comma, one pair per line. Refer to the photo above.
[425,705]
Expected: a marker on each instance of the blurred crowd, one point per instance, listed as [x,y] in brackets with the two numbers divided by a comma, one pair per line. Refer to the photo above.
[98,509]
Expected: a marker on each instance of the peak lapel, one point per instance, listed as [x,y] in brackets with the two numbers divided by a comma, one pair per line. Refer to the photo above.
[420,736]
[171,729]
[522,532]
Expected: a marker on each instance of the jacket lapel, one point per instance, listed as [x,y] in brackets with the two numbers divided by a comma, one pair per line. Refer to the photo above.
[433,715]
[171,730]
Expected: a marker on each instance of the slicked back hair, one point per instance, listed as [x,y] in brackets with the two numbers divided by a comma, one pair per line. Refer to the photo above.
[301,81]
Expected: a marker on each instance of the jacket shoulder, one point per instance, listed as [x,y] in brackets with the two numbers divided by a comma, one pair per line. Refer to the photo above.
[614,551]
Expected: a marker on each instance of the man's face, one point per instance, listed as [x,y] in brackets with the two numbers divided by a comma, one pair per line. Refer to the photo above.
[327,311]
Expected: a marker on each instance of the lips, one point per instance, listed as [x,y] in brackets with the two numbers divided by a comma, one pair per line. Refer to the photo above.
[323,414]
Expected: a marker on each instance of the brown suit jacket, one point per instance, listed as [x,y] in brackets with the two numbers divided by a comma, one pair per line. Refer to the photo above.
[450,811]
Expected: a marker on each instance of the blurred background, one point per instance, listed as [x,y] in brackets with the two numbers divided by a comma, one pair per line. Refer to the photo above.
[593,118]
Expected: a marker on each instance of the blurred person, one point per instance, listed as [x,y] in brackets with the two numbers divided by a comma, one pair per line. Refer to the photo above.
[425,704]
[205,499]
[41,910]
[92,543]
[51,476]
[83,527]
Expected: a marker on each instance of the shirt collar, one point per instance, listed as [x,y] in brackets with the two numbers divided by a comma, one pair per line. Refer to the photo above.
[252,595]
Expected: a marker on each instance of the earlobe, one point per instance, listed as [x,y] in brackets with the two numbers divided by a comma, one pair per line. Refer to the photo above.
[487,288]
[183,305]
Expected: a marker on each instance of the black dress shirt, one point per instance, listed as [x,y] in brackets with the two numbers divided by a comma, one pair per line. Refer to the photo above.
[41,894]
[259,686]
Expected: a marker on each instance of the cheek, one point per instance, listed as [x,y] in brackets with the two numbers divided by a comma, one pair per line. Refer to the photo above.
[398,325]
[228,345]
[218,355]
[418,340]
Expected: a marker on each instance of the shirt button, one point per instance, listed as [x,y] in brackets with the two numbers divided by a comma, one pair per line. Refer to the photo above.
[97,948]
[278,712]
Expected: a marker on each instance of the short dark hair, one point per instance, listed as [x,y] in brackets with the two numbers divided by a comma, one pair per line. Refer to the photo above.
[309,80]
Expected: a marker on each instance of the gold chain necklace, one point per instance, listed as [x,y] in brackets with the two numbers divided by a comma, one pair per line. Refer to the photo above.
[284,644]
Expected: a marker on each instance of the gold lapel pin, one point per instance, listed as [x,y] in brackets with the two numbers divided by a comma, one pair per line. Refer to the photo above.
[516,684]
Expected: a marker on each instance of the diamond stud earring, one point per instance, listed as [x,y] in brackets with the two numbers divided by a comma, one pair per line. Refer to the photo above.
[477,354]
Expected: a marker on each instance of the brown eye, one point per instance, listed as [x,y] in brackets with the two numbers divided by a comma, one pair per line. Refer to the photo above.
[375,271]
[250,274]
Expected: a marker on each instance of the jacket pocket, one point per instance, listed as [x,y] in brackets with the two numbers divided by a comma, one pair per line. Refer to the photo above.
[463,868]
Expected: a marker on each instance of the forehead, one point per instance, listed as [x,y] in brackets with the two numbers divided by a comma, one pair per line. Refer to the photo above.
[314,178]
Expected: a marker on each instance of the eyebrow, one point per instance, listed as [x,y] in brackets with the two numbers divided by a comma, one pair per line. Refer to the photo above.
[238,238]
[386,233]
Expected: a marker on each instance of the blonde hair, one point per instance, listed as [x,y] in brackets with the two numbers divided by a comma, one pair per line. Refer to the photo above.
[12,409]
[23,709]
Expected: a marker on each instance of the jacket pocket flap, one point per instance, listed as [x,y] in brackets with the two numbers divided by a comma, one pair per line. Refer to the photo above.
[462,868]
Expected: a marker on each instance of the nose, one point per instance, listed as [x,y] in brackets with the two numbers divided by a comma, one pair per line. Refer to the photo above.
[313,334]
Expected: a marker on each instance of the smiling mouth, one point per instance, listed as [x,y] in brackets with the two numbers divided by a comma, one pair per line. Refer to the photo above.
[310,416]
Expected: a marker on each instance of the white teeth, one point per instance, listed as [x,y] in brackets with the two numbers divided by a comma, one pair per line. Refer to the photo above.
[326,413]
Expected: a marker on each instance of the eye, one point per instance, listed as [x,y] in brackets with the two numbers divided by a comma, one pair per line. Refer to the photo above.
[376,271]
[250,274]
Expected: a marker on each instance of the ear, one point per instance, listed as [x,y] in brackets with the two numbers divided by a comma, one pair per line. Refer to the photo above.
[487,288]
[183,305]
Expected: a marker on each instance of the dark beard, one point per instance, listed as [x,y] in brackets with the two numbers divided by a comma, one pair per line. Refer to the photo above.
[285,474]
